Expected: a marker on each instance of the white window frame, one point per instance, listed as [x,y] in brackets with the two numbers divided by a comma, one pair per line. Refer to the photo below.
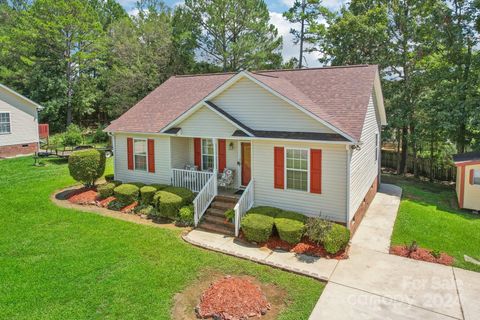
[207,154]
[9,122]
[476,174]
[146,155]
[286,169]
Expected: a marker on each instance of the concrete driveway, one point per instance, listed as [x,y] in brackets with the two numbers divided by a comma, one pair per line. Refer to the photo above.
[373,284]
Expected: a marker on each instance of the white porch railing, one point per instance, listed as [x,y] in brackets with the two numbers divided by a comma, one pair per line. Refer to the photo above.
[204,198]
[193,180]
[243,205]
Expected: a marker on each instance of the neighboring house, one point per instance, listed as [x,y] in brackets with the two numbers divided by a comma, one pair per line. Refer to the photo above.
[18,124]
[304,140]
[468,180]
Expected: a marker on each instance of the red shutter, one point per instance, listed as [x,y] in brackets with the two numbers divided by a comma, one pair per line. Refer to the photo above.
[316,171]
[197,144]
[471,176]
[130,153]
[222,154]
[151,155]
[279,167]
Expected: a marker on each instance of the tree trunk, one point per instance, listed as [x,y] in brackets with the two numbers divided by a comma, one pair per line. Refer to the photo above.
[399,142]
[432,150]
[404,154]
[302,30]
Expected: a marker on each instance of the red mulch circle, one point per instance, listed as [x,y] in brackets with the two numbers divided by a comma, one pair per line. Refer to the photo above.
[232,298]
[305,246]
[83,196]
[422,255]
[104,202]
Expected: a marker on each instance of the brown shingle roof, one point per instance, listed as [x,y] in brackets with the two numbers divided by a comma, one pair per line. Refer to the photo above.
[337,95]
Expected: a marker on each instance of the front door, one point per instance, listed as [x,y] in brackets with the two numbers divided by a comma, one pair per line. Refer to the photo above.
[246,163]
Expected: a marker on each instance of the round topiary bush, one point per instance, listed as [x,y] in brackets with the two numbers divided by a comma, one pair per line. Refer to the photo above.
[86,166]
[138,184]
[185,216]
[146,194]
[290,226]
[106,190]
[159,186]
[336,238]
[126,194]
[266,211]
[168,204]
[316,229]
[184,193]
[257,227]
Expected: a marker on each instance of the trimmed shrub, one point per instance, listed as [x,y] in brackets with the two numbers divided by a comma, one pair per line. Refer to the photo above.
[115,205]
[138,184]
[317,229]
[336,238]
[146,194]
[264,210]
[86,166]
[99,135]
[106,190]
[290,226]
[117,182]
[147,210]
[257,227]
[126,194]
[73,136]
[186,195]
[109,177]
[159,186]
[185,216]
[167,204]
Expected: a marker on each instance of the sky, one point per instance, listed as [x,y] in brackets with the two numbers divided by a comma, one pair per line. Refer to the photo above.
[276,8]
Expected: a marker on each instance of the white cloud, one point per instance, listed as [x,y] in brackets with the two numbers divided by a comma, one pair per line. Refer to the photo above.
[133,12]
[291,50]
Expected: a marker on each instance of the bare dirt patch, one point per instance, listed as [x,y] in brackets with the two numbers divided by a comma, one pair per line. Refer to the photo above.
[186,301]
[84,196]
[422,255]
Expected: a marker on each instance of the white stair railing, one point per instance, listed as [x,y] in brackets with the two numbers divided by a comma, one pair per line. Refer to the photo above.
[204,198]
[190,179]
[244,204]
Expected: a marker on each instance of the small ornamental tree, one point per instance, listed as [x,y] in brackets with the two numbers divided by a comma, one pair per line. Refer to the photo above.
[86,166]
[73,136]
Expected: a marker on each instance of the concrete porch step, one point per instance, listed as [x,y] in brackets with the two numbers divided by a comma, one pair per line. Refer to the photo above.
[221,205]
[210,218]
[215,212]
[227,199]
[227,229]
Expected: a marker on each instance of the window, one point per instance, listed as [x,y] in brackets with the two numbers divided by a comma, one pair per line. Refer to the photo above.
[5,123]
[297,169]
[140,154]
[476,177]
[376,146]
[207,154]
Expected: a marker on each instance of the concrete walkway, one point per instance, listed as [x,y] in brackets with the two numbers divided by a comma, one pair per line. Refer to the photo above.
[371,284]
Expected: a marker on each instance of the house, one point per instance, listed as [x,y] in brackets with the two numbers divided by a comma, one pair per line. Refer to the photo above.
[303,140]
[468,180]
[18,124]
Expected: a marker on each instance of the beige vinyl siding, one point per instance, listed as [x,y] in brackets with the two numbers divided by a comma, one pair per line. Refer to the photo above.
[471,198]
[162,160]
[180,152]
[23,120]
[259,109]
[363,167]
[330,204]
[206,123]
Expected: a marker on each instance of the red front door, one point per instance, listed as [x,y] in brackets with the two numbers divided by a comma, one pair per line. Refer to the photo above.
[246,163]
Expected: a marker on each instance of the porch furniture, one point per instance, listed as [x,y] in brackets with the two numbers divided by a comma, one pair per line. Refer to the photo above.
[226,178]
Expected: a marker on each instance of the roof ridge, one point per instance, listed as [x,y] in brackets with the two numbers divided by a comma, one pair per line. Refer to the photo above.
[203,74]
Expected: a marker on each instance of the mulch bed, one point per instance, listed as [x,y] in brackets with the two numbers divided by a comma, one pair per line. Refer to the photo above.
[305,246]
[83,196]
[104,202]
[422,255]
[232,298]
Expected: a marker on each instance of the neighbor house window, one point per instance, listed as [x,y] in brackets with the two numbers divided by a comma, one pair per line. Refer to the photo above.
[476,177]
[297,169]
[207,154]
[5,122]
[140,154]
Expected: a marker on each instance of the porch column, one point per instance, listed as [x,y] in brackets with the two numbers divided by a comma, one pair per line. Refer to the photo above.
[215,155]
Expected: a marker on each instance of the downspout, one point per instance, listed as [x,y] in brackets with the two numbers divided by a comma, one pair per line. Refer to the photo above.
[349,160]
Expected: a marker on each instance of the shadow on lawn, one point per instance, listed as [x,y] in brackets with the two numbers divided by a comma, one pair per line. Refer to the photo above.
[430,194]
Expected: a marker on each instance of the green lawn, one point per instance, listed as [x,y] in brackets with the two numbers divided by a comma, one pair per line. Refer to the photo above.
[429,214]
[58,263]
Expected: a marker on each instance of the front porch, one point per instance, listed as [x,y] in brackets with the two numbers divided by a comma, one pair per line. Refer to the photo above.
[213,167]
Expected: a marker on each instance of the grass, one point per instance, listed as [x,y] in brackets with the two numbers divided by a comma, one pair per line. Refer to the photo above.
[58,263]
[429,214]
